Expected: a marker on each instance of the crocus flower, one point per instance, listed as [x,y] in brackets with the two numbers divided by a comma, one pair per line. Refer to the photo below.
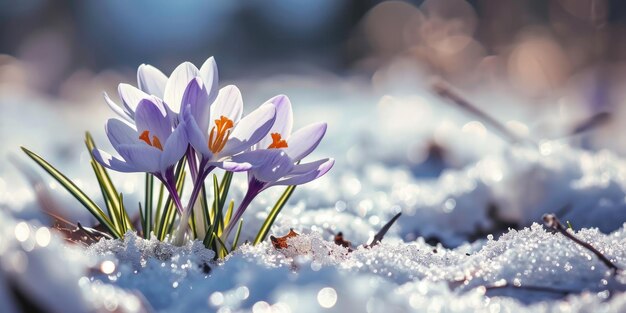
[151,145]
[152,82]
[217,131]
[272,169]
[276,158]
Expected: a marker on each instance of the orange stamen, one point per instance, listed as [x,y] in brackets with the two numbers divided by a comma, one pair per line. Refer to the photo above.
[157,143]
[277,142]
[145,136]
[220,133]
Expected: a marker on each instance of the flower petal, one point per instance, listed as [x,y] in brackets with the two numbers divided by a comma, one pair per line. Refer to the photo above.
[131,96]
[305,140]
[121,112]
[112,162]
[175,147]
[177,83]
[229,103]
[196,137]
[267,165]
[209,75]
[283,123]
[120,133]
[231,166]
[304,173]
[152,117]
[196,100]
[142,158]
[151,80]
[250,129]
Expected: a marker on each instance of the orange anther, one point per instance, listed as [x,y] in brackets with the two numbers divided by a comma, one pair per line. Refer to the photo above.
[157,143]
[220,133]
[145,136]
[277,142]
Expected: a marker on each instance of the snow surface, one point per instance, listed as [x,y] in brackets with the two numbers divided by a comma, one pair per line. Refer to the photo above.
[459,186]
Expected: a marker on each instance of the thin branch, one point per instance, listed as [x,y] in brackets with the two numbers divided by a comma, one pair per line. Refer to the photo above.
[532,288]
[445,91]
[595,121]
[93,233]
[553,222]
[381,233]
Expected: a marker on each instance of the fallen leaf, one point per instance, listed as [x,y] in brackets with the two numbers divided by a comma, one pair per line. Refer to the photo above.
[281,242]
[340,241]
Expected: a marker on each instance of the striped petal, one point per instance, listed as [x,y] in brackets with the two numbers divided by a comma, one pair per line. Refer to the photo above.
[174,147]
[209,75]
[112,162]
[142,158]
[229,103]
[250,129]
[131,96]
[304,173]
[151,80]
[283,123]
[197,100]
[305,140]
[152,117]
[177,84]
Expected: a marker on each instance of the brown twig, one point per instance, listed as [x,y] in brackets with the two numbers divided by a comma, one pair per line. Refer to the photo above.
[595,121]
[445,91]
[553,222]
[532,288]
[381,233]
[94,233]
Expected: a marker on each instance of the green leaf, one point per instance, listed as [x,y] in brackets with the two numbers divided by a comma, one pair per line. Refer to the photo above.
[128,225]
[236,240]
[229,213]
[271,217]
[192,223]
[109,193]
[89,204]
[157,214]
[107,202]
[214,217]
[147,215]
[224,187]
[205,209]
[216,207]
[143,222]
[221,250]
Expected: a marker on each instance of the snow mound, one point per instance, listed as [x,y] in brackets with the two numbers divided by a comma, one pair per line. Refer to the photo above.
[38,272]
[529,266]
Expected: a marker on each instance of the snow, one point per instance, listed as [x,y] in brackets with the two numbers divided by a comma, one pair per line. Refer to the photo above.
[461,189]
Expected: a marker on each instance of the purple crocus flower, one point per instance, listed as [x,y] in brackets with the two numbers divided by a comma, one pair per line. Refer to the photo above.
[216,129]
[276,158]
[151,145]
[152,82]
[217,132]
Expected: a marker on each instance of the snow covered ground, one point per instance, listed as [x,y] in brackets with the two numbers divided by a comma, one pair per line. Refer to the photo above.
[461,188]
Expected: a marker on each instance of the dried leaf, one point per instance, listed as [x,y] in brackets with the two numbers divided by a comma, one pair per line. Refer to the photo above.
[340,241]
[281,242]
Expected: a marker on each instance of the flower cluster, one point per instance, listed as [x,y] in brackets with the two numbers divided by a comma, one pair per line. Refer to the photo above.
[165,120]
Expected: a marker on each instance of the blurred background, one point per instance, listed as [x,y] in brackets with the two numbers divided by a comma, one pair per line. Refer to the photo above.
[536,46]
[533,47]
[546,69]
